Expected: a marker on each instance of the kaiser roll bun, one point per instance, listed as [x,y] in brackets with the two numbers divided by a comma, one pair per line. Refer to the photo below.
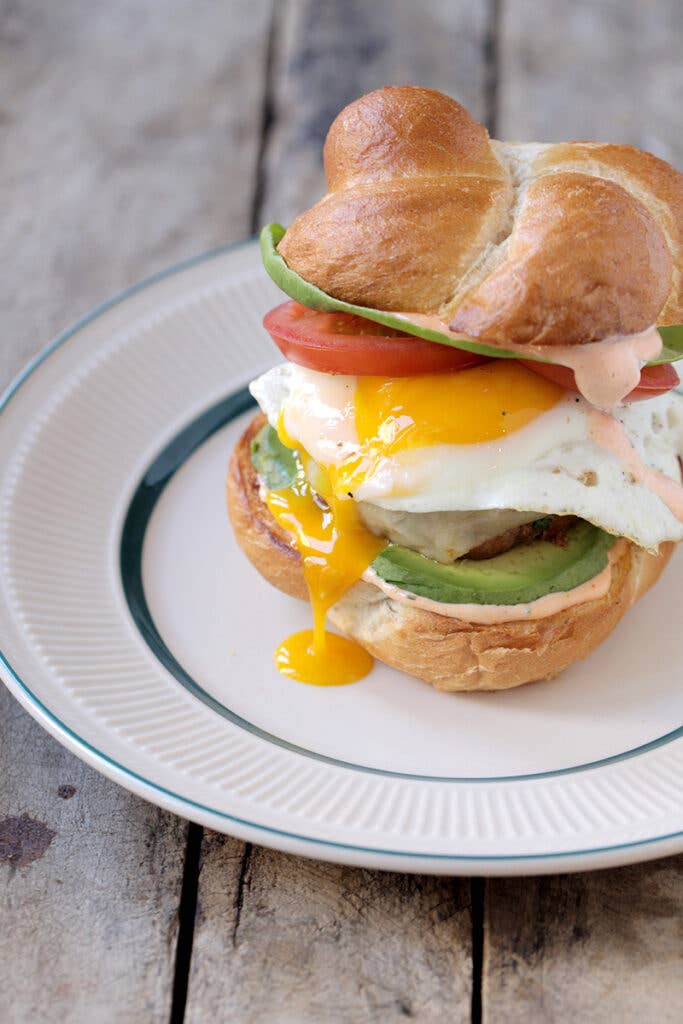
[519,243]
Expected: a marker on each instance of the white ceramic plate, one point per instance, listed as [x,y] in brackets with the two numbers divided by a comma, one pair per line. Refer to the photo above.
[135,631]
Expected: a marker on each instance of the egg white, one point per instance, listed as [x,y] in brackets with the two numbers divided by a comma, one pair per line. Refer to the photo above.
[550,466]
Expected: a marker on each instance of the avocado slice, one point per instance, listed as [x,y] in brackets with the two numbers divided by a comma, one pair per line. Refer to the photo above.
[308,295]
[518,576]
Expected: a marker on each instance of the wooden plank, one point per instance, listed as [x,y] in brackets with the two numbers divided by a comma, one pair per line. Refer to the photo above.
[298,942]
[599,947]
[89,886]
[292,940]
[609,71]
[605,946]
[130,140]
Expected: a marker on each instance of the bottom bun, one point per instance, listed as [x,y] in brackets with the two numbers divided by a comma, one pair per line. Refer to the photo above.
[449,653]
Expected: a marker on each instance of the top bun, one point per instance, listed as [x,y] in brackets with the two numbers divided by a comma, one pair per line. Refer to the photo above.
[523,243]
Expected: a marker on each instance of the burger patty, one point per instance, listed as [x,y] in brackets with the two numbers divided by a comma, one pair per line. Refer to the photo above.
[552,528]
[447,536]
[443,536]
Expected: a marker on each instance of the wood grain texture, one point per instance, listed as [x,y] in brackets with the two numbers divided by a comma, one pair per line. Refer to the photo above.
[89,888]
[599,947]
[609,71]
[298,942]
[130,138]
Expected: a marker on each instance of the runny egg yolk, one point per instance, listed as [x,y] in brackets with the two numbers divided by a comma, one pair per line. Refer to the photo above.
[397,414]
[391,415]
[336,549]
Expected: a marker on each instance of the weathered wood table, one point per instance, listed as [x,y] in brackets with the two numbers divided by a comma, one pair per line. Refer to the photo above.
[137,133]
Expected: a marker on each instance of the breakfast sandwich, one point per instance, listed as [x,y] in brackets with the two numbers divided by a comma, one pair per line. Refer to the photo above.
[469,461]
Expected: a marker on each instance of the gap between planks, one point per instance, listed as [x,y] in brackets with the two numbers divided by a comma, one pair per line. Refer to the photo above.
[187,911]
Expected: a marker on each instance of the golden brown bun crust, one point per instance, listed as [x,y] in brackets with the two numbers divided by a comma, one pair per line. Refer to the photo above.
[525,243]
[398,131]
[565,267]
[447,652]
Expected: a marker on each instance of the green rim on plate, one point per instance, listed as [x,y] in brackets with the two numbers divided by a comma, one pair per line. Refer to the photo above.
[142,504]
[158,793]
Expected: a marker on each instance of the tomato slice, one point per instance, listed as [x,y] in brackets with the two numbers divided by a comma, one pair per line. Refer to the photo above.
[343,343]
[654,380]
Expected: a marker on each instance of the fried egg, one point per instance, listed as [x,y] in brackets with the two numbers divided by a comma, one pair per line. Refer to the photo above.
[496,436]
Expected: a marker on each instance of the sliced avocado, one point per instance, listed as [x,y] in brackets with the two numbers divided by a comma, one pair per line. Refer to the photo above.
[308,295]
[520,575]
[275,464]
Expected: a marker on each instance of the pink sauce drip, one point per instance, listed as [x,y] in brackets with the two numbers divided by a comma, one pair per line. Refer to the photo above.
[610,435]
[492,614]
[605,371]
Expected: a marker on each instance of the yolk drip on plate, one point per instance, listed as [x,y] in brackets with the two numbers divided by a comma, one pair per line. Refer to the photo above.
[391,415]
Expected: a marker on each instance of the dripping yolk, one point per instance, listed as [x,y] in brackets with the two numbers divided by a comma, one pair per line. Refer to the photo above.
[336,549]
[397,414]
[391,415]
